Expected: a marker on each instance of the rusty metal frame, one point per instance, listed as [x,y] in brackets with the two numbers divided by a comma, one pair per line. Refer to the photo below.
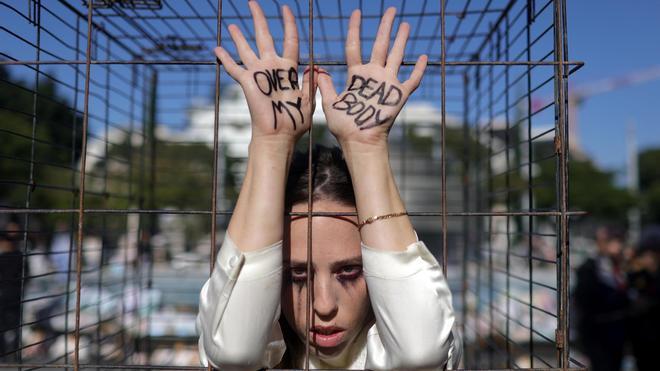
[475,70]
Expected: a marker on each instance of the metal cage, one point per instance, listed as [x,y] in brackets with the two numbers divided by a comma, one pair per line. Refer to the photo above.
[124,144]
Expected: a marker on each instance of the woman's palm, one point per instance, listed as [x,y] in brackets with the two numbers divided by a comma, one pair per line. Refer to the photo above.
[366,110]
[279,105]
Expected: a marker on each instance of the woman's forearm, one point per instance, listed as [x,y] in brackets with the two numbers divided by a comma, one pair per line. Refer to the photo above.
[257,220]
[361,118]
[376,193]
[278,106]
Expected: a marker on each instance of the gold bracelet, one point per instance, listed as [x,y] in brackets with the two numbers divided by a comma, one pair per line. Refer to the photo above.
[380,217]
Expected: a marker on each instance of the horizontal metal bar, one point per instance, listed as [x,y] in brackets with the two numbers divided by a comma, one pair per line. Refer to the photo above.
[302,63]
[317,213]
[195,368]
[305,15]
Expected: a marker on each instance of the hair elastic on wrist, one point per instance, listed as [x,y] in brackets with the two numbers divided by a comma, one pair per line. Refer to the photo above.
[380,217]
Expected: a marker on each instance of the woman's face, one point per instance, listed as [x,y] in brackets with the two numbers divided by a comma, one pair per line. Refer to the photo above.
[340,302]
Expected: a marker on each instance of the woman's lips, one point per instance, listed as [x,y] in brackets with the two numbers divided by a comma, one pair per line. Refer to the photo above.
[327,337]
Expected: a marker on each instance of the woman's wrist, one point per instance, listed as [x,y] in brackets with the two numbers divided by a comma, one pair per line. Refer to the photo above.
[377,195]
[272,148]
[353,150]
[373,180]
[273,142]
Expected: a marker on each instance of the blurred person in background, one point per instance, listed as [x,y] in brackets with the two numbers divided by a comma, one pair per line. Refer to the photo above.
[644,282]
[601,301]
[60,252]
[11,273]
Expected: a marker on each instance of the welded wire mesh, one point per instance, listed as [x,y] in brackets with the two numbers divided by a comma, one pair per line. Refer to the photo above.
[125,143]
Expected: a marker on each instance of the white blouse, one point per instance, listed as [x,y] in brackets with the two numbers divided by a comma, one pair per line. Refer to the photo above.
[239,309]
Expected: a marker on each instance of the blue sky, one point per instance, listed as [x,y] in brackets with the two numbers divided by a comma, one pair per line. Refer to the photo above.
[614,38]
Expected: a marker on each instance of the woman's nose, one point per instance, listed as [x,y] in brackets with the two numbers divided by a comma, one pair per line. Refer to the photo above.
[324,298]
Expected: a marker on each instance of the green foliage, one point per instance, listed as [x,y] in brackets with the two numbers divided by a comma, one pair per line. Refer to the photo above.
[46,147]
[649,185]
[651,204]
[182,175]
[454,142]
[649,168]
[593,190]
[590,189]
[178,176]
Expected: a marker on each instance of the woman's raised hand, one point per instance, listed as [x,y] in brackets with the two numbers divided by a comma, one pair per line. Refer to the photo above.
[365,111]
[279,106]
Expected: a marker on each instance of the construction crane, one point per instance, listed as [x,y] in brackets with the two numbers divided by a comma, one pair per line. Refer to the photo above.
[579,94]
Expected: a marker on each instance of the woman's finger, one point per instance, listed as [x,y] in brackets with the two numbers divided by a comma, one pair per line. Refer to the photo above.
[305,83]
[327,87]
[416,76]
[353,51]
[244,50]
[264,40]
[382,43]
[233,69]
[395,57]
[290,48]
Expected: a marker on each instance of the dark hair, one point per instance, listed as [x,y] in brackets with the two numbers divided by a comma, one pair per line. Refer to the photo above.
[330,177]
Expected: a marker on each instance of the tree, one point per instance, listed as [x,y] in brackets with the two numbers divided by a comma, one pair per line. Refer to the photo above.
[649,185]
[46,149]
[590,189]
[183,180]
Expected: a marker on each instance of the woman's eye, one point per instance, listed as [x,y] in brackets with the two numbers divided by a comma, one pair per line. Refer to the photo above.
[351,269]
[298,274]
[350,272]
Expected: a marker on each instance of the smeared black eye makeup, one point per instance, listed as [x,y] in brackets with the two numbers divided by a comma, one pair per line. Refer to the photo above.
[345,271]
[349,273]
[298,275]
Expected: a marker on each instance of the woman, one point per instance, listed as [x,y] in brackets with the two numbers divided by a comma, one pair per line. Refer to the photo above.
[404,319]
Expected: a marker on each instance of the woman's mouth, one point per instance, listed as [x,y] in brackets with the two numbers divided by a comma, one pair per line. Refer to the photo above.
[327,336]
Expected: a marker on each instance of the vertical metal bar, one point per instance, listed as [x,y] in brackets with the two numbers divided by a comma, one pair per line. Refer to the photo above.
[216,128]
[131,115]
[73,186]
[142,200]
[507,88]
[308,317]
[566,264]
[81,197]
[466,207]
[479,202]
[443,125]
[104,219]
[31,183]
[29,9]
[562,179]
[490,204]
[324,34]
[153,141]
[530,179]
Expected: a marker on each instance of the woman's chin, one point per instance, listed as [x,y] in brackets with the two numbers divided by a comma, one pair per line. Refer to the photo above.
[328,352]
[328,346]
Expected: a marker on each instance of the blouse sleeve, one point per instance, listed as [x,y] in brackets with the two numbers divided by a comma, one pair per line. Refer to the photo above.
[239,308]
[412,305]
